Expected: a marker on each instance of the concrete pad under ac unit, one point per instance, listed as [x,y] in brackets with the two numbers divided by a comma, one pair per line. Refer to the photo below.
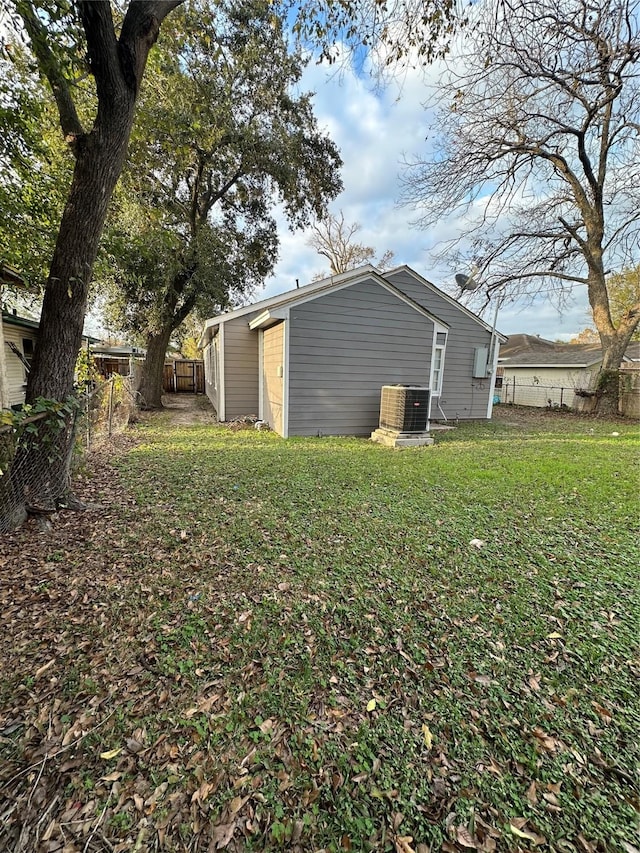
[394,438]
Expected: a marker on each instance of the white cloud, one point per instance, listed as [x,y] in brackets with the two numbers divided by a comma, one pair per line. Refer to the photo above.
[376,132]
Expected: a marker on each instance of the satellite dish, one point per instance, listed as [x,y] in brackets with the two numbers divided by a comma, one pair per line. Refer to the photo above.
[466,282]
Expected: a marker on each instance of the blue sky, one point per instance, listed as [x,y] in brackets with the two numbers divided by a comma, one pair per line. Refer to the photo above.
[376,132]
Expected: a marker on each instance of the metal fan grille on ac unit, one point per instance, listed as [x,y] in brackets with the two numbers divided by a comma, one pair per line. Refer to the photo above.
[404,408]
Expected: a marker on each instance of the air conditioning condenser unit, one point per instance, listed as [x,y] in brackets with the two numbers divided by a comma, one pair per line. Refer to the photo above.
[404,408]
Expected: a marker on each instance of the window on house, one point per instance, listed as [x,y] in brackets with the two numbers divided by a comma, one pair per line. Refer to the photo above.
[214,363]
[437,366]
[27,349]
[24,355]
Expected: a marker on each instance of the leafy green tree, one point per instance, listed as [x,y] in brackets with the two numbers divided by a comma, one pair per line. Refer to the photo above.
[35,172]
[539,147]
[221,137]
[92,54]
[187,337]
[81,42]
[586,336]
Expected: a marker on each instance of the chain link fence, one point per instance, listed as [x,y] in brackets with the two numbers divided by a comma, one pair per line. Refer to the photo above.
[108,409]
[34,459]
[541,396]
[527,393]
[37,450]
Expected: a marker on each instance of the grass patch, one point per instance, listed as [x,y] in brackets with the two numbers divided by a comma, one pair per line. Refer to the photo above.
[314,657]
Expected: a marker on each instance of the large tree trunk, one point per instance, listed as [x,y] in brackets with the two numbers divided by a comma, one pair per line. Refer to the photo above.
[150,387]
[608,380]
[176,307]
[118,66]
[97,170]
[614,341]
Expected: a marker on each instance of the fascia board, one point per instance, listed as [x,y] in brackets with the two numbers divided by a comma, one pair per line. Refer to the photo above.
[268,317]
[289,296]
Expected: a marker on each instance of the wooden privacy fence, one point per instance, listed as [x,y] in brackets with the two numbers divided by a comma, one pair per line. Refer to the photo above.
[629,405]
[183,376]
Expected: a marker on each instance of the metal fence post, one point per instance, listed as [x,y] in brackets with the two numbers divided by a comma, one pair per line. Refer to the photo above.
[111,383]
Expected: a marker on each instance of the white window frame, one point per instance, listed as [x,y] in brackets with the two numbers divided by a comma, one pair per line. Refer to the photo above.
[439,351]
[214,363]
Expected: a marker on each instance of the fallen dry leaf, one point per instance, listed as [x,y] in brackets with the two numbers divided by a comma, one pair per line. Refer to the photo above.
[44,668]
[517,825]
[222,835]
[532,794]
[465,839]
[111,753]
[604,713]
[403,844]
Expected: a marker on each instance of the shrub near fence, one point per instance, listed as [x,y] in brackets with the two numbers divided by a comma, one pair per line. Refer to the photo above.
[35,447]
[36,444]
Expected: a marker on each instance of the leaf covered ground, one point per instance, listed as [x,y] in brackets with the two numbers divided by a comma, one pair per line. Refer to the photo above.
[323,644]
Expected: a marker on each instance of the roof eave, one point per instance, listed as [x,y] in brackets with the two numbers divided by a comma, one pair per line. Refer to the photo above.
[22,322]
[290,295]
[579,364]
[9,275]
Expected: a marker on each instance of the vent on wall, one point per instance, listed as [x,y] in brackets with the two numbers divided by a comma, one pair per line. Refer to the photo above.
[404,408]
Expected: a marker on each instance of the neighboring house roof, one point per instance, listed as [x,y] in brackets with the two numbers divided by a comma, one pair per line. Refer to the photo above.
[531,351]
[266,308]
[28,323]
[633,351]
[122,350]
[9,275]
[22,322]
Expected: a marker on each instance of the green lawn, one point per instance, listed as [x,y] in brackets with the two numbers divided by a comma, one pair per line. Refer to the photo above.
[294,645]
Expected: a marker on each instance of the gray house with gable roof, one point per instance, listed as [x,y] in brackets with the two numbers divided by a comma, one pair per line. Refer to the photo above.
[312,361]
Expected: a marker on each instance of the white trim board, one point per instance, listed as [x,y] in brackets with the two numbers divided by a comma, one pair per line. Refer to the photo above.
[222,402]
[312,291]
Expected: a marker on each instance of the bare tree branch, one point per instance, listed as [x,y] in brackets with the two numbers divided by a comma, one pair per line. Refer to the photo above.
[539,151]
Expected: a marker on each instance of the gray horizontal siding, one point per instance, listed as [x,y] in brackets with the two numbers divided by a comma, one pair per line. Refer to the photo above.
[343,347]
[462,396]
[240,368]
